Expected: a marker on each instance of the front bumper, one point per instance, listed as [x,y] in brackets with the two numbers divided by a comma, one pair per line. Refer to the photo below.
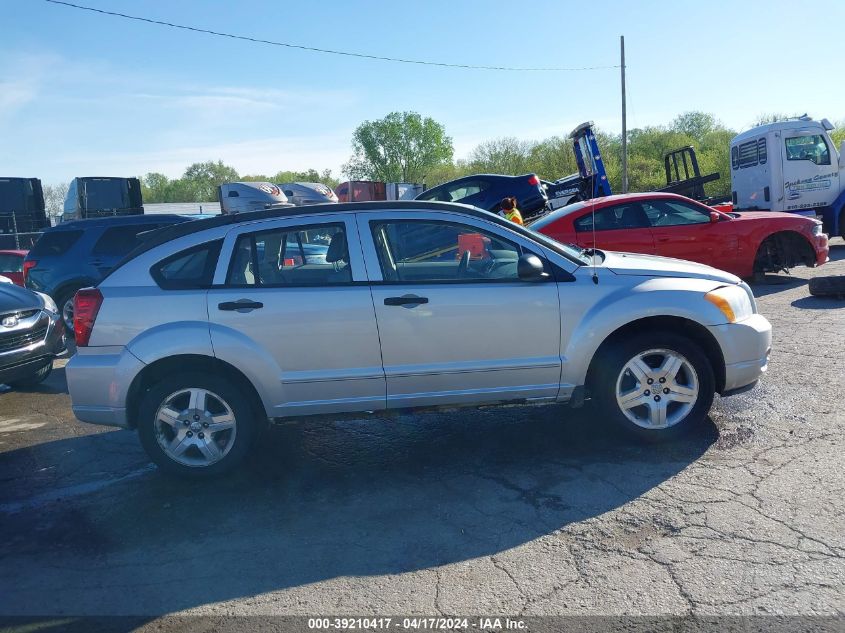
[822,249]
[98,380]
[23,362]
[746,346]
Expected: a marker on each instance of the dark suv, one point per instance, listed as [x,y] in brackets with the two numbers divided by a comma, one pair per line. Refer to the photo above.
[486,191]
[78,254]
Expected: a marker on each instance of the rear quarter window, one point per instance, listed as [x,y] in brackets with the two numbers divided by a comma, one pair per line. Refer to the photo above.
[192,268]
[54,243]
[119,240]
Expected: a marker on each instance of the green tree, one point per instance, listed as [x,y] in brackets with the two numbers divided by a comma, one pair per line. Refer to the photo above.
[155,187]
[401,147]
[552,158]
[202,179]
[694,124]
[502,156]
[773,117]
[838,135]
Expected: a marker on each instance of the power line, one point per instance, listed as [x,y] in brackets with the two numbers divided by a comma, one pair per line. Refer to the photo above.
[314,49]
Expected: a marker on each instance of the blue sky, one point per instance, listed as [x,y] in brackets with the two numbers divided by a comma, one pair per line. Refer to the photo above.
[86,94]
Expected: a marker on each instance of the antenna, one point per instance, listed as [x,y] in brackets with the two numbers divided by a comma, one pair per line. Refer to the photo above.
[593,252]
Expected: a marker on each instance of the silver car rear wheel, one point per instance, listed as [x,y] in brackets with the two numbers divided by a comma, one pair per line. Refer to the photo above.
[657,389]
[195,427]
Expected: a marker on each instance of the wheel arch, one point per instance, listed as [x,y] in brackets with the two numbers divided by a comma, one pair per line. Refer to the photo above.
[679,325]
[180,363]
[792,243]
[76,282]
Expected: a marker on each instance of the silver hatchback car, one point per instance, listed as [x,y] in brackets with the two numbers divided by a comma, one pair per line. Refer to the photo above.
[213,327]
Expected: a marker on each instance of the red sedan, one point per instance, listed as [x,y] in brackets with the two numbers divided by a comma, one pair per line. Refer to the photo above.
[11,265]
[674,226]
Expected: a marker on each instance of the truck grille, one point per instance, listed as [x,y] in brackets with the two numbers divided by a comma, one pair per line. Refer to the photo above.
[17,340]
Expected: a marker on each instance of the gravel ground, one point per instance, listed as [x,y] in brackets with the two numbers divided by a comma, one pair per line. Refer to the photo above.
[520,511]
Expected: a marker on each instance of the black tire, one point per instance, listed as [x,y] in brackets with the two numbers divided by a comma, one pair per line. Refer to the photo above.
[833,286]
[36,378]
[608,368]
[246,423]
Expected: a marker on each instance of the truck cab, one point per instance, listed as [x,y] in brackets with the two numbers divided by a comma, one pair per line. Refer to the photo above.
[790,166]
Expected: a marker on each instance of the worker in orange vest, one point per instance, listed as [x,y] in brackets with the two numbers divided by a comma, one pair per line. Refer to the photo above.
[510,211]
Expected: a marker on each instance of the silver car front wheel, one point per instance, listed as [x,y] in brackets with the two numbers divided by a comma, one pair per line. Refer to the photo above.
[654,384]
[657,388]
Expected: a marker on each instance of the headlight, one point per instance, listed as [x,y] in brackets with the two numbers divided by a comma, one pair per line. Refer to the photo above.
[732,301]
[49,304]
[817,228]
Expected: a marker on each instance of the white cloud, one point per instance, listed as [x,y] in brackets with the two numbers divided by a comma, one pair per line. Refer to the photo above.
[255,156]
[14,95]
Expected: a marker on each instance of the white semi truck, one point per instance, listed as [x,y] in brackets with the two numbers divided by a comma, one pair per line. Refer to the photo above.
[790,166]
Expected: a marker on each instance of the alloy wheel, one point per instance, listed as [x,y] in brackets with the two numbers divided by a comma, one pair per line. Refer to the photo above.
[195,427]
[657,389]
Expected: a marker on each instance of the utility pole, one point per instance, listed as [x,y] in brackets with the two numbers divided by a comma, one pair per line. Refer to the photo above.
[624,121]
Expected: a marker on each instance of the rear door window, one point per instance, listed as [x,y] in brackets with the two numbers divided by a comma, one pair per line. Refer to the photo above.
[54,243]
[117,241]
[315,255]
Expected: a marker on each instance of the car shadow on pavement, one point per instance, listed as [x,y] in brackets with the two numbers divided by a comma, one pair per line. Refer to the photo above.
[837,252]
[771,283]
[819,303]
[317,501]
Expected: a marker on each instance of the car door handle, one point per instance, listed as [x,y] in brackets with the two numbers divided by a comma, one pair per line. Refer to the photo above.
[241,305]
[663,239]
[95,262]
[407,300]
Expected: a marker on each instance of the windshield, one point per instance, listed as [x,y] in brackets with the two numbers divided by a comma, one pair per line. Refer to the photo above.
[567,250]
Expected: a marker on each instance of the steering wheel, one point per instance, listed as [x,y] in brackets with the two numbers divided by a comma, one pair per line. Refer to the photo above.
[463,265]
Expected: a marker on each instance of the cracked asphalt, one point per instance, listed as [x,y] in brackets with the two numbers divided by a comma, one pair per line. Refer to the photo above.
[531,511]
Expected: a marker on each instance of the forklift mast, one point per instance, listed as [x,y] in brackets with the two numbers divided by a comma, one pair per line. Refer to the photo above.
[594,183]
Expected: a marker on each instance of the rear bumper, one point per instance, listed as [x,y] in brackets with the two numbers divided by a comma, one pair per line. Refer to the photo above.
[99,384]
[745,347]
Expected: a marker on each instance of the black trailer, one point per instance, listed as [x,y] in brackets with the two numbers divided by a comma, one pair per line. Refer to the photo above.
[99,196]
[22,212]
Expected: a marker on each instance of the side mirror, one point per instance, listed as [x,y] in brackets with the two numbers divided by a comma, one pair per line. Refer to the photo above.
[529,267]
[842,155]
[714,217]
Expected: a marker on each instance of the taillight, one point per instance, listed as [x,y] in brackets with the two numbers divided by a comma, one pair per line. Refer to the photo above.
[533,180]
[27,265]
[86,305]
